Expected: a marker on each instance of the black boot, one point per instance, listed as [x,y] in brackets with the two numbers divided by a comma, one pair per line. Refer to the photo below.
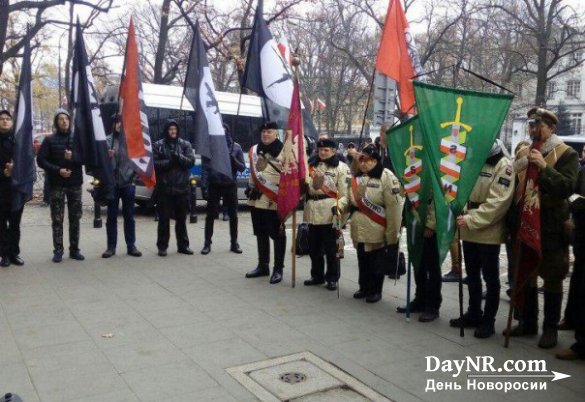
[263,269]
[279,252]
[528,323]
[552,315]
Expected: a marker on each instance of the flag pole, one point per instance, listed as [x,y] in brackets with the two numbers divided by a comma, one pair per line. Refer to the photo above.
[408,284]
[367,107]
[517,250]
[460,269]
[294,249]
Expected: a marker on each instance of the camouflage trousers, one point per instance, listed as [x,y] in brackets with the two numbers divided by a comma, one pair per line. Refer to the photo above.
[57,197]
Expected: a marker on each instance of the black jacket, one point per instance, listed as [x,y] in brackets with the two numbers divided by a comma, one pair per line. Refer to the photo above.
[173,160]
[6,154]
[211,177]
[51,158]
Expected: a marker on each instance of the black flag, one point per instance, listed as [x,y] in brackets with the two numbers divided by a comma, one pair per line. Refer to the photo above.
[210,140]
[89,136]
[269,75]
[24,172]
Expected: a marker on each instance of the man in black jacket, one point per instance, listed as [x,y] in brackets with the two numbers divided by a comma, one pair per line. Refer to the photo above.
[9,219]
[65,178]
[173,160]
[215,186]
[125,190]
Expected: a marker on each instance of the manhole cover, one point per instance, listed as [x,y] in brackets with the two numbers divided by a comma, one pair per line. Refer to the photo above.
[293,378]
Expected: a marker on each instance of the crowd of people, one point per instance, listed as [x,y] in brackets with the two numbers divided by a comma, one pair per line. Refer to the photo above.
[360,189]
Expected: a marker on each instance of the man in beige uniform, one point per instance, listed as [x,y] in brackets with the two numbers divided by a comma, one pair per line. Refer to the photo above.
[483,229]
[265,166]
[327,192]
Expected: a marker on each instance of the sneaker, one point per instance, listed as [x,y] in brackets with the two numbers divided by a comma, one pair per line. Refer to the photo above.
[57,257]
[429,315]
[485,330]
[108,253]
[76,255]
[468,320]
[451,276]
[134,252]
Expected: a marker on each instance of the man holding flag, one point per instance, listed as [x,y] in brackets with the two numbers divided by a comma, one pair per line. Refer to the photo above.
[547,173]
[9,220]
[265,168]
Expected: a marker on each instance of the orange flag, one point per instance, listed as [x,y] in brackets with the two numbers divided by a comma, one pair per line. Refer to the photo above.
[131,111]
[397,57]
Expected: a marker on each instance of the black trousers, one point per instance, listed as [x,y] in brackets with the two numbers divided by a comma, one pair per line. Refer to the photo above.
[576,296]
[428,277]
[168,205]
[371,269]
[9,229]
[322,239]
[579,293]
[482,260]
[230,203]
[267,225]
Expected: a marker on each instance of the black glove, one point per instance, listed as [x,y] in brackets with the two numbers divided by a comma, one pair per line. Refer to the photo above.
[334,210]
[205,194]
[247,191]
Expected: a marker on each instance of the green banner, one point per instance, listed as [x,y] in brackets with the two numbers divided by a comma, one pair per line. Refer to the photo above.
[459,128]
[405,147]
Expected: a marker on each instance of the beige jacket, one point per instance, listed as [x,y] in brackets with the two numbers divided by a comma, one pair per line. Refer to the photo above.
[268,167]
[488,204]
[318,211]
[385,192]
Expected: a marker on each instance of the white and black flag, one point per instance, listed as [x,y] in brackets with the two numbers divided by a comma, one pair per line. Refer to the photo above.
[269,75]
[210,140]
[23,172]
[89,136]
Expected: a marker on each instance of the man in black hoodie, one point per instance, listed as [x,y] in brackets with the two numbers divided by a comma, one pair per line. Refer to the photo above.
[214,186]
[173,160]
[65,178]
[9,219]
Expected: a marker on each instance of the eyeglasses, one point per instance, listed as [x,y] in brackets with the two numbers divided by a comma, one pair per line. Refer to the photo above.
[533,122]
[5,119]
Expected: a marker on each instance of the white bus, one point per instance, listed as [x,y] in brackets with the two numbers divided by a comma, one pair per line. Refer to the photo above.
[164,102]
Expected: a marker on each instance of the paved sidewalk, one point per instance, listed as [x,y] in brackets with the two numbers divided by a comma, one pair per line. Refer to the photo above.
[166,329]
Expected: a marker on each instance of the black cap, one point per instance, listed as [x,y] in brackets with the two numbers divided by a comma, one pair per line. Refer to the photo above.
[371,152]
[6,112]
[326,143]
[269,125]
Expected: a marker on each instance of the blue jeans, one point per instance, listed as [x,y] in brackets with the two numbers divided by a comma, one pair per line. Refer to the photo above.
[127,195]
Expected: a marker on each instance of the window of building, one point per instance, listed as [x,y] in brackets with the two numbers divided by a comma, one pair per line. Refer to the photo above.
[574,88]
[576,123]
[551,89]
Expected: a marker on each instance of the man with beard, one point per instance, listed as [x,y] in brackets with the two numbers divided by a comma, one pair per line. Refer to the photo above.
[265,166]
[173,160]
[326,197]
[65,179]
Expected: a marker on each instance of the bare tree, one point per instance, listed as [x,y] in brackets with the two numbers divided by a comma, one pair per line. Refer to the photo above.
[554,32]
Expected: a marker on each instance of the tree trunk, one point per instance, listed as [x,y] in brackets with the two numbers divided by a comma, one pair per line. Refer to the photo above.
[3,26]
[162,42]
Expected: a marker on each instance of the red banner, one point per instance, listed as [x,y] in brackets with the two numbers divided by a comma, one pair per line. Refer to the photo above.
[293,162]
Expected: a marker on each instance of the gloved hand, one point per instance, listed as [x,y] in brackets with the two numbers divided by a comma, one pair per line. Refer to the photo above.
[205,194]
[334,210]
